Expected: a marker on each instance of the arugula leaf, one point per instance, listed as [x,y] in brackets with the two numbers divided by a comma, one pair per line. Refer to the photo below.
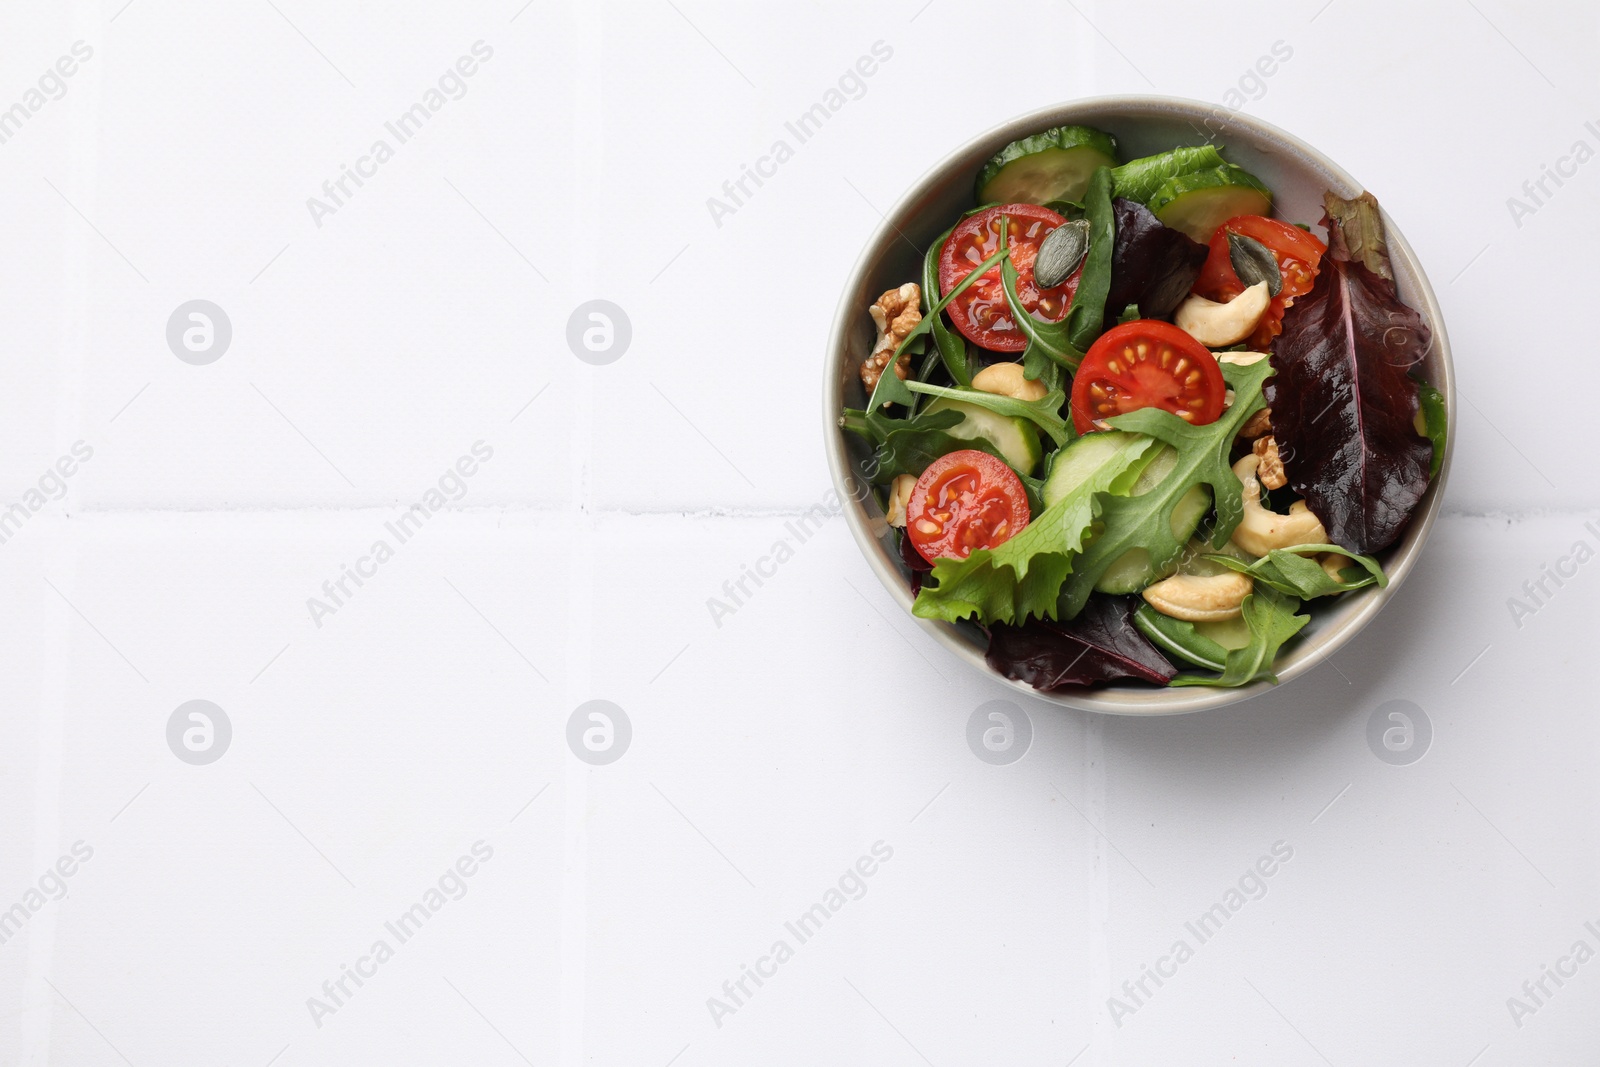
[1048,346]
[1145,521]
[1044,412]
[1178,638]
[1086,319]
[1289,571]
[923,373]
[890,389]
[1023,576]
[1433,424]
[952,346]
[1272,621]
[907,446]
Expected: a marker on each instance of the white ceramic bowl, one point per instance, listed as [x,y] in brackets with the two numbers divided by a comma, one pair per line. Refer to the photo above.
[1297,174]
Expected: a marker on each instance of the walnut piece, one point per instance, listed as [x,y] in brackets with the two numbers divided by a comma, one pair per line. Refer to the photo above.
[896,313]
[1258,424]
[1270,472]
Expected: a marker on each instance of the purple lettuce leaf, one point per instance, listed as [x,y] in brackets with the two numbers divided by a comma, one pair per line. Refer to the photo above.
[1343,402]
[1152,265]
[1100,644]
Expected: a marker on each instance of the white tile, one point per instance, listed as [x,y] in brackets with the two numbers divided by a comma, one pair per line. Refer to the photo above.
[775,740]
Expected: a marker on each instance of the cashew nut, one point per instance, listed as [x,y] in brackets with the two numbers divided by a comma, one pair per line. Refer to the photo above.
[1215,325]
[1260,531]
[1007,379]
[899,497]
[1242,359]
[1334,564]
[1200,598]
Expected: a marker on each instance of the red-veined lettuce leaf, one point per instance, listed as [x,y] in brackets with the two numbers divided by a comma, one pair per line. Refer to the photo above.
[1343,403]
[1152,264]
[1100,644]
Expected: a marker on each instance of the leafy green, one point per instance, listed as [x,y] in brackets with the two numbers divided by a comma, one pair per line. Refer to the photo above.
[1023,577]
[1434,423]
[929,358]
[907,446]
[1145,521]
[952,347]
[1048,346]
[1086,319]
[1289,571]
[1138,179]
[1272,621]
[890,389]
[1067,209]
[1178,638]
[1045,412]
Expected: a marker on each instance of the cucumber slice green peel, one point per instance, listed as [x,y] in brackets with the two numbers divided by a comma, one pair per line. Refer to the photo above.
[1198,202]
[1054,165]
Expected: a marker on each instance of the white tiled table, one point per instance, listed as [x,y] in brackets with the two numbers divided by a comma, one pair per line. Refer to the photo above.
[375,745]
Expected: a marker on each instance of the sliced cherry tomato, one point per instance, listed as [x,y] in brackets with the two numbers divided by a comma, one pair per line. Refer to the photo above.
[981,312]
[963,501]
[1147,364]
[1298,252]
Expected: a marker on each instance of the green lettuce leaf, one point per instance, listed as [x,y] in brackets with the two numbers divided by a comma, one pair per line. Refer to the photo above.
[1138,179]
[1023,577]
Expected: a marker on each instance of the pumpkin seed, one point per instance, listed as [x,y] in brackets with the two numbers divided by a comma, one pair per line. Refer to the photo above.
[1060,253]
[1254,262]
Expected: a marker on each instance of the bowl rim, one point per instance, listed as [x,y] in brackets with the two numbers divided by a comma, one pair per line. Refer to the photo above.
[1154,700]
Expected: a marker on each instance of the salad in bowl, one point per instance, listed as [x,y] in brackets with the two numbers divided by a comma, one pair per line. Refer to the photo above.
[1131,422]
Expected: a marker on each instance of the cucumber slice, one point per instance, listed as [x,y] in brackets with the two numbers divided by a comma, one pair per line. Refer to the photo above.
[1132,570]
[1076,462]
[1016,439]
[1229,633]
[1197,203]
[1053,165]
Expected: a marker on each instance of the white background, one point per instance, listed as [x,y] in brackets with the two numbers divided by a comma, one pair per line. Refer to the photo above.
[768,753]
